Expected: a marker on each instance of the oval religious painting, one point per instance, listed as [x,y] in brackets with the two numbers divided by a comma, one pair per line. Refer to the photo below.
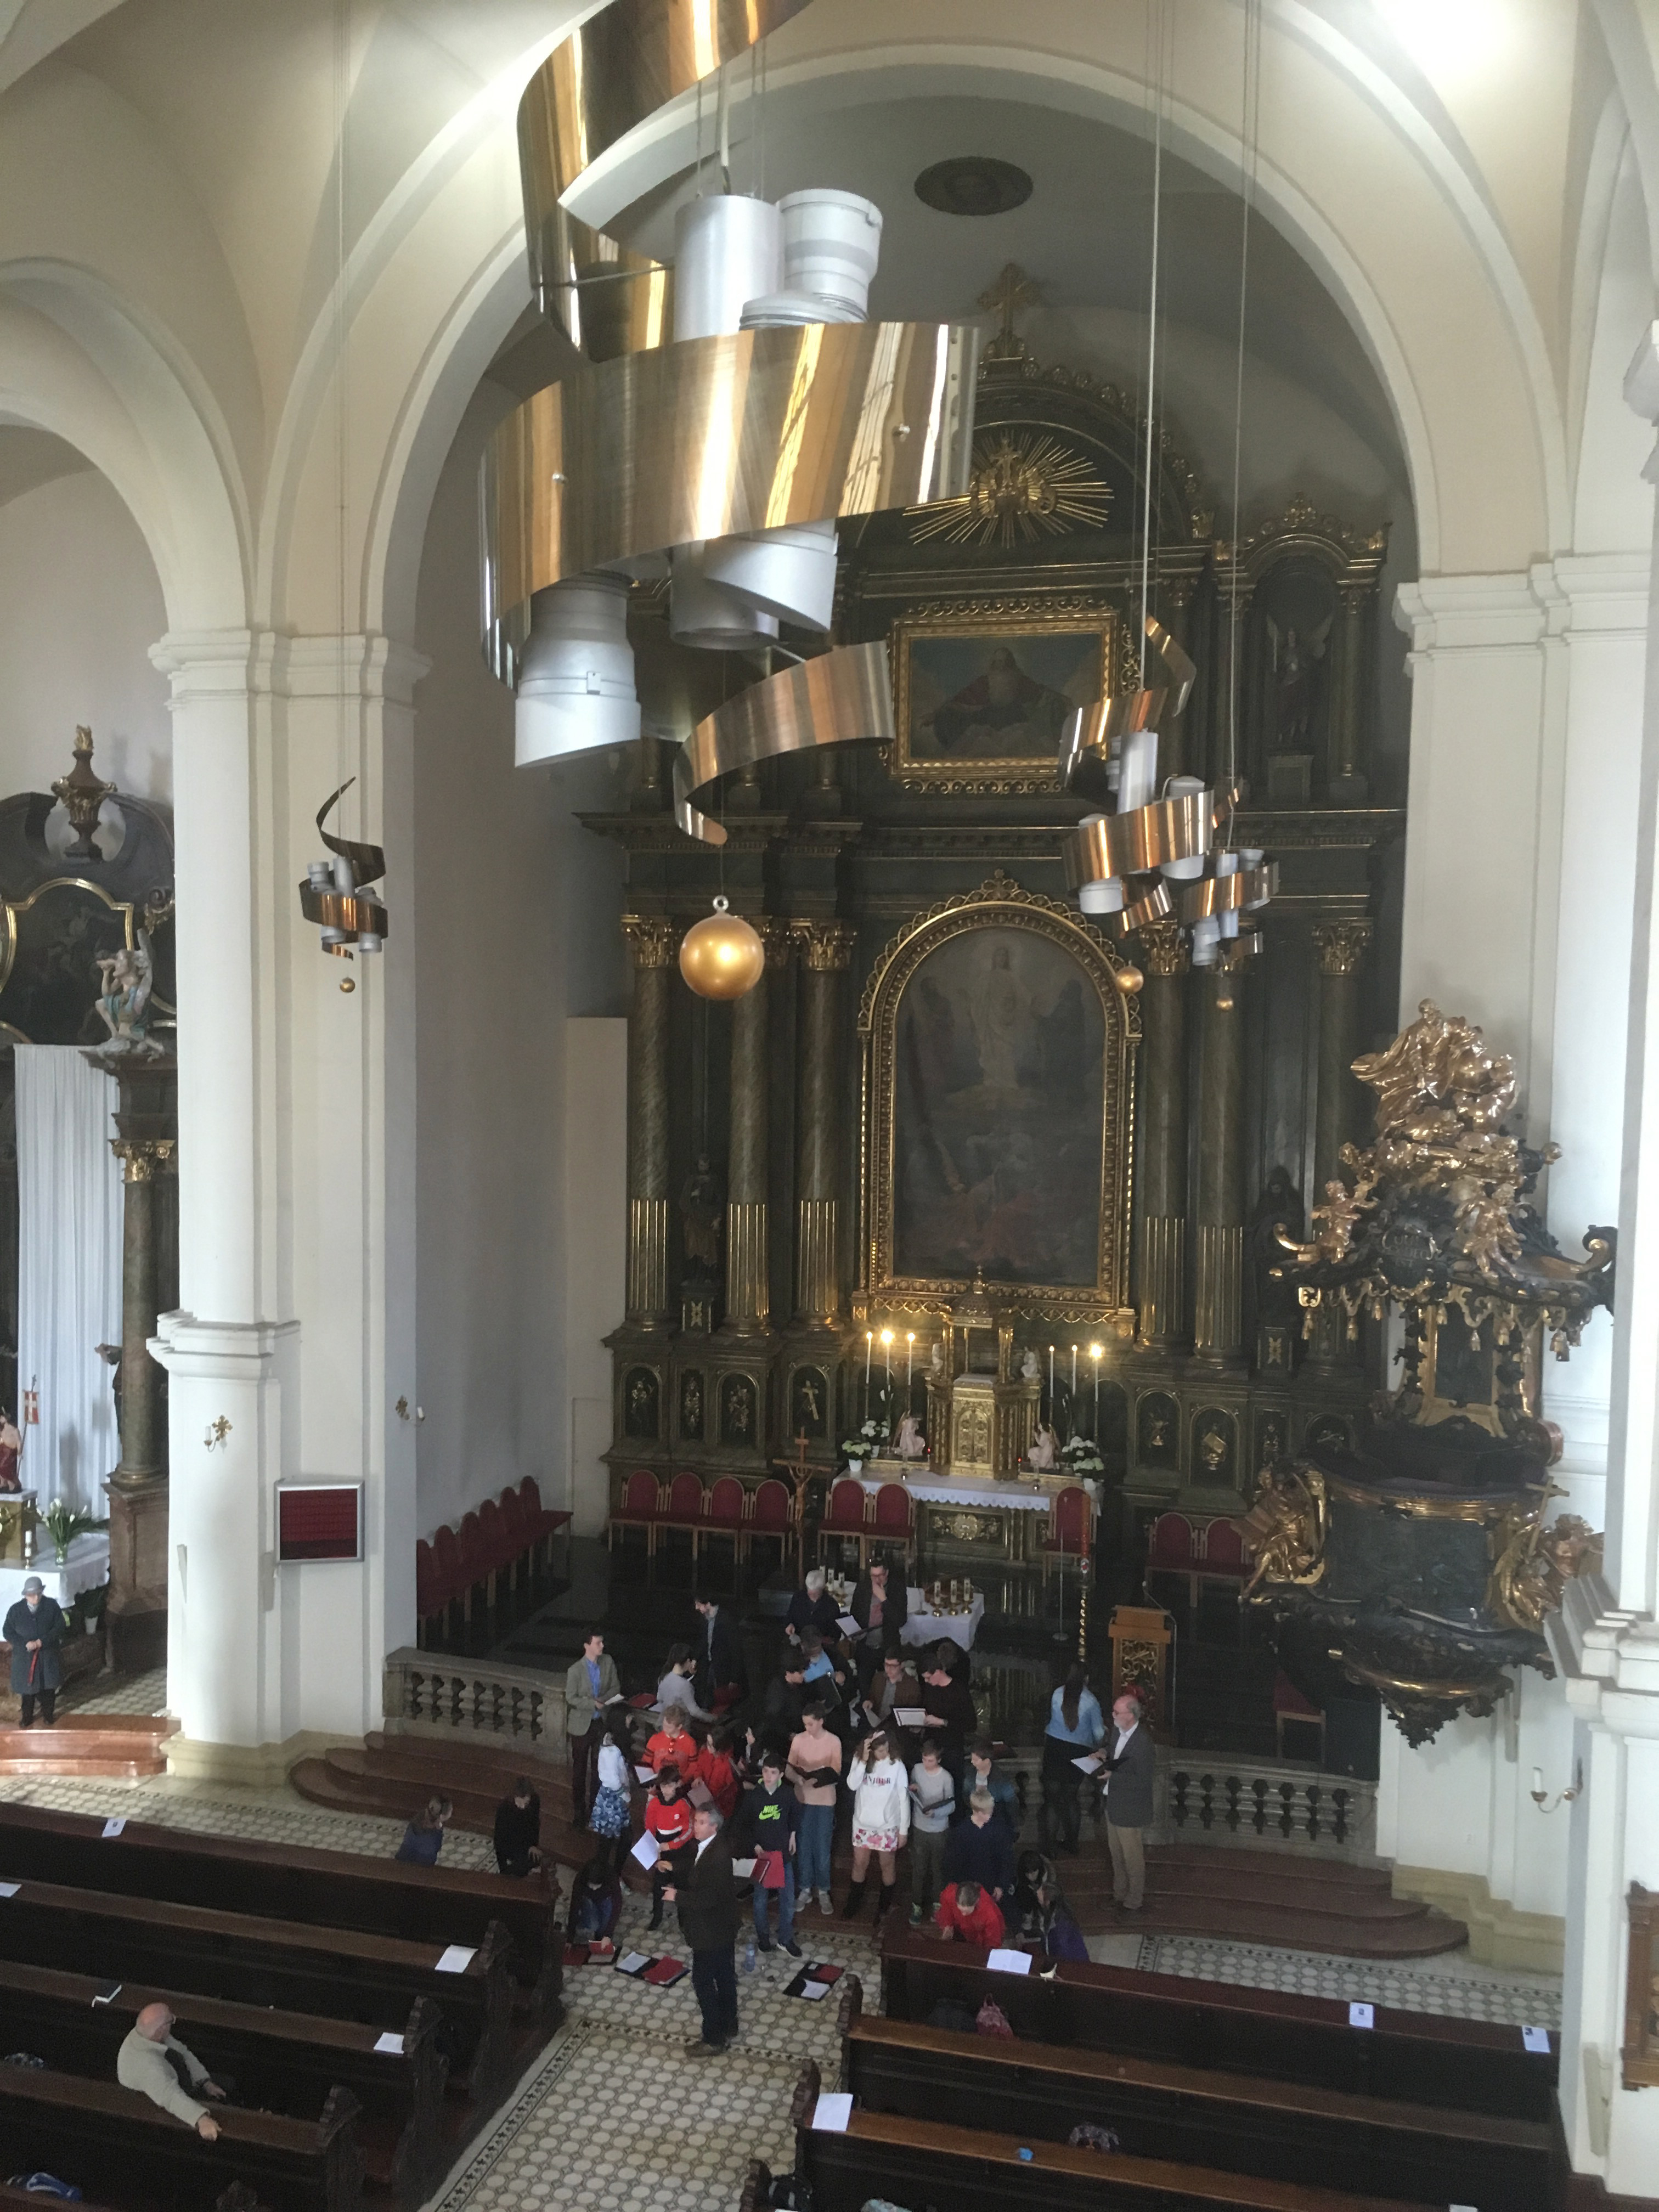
[999,1112]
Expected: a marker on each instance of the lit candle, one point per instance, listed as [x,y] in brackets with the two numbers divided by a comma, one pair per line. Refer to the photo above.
[1051,1406]
[1095,1351]
[887,1364]
[1074,1375]
[909,1359]
[1537,1782]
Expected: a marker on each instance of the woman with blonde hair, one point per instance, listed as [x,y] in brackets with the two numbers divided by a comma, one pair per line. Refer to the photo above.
[881,1818]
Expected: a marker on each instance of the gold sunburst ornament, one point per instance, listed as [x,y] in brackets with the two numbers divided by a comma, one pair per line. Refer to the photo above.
[1022,489]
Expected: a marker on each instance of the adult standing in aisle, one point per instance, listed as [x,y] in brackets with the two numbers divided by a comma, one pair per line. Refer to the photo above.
[34,1629]
[1132,1766]
[590,1685]
[706,1897]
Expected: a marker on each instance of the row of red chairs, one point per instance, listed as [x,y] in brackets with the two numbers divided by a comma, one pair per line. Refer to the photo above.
[510,1535]
[1201,1551]
[727,1508]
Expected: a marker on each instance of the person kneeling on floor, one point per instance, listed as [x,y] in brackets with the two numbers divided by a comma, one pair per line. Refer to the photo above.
[967,1915]
[160,2068]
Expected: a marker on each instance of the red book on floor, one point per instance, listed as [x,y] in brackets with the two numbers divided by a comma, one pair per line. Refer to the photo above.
[664,1973]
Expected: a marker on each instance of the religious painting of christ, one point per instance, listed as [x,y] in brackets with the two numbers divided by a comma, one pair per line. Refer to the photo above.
[998,1106]
[982,701]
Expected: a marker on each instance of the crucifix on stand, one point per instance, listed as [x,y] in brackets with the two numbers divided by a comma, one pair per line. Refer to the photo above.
[800,1473]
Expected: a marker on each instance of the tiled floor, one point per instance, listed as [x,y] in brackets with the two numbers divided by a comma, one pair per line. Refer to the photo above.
[1454,1985]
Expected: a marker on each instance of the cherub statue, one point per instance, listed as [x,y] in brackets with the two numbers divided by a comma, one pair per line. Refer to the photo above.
[911,1443]
[127,978]
[1030,1371]
[1044,1454]
[1285,1529]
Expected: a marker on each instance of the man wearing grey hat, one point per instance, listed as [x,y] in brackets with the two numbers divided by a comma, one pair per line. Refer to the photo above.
[34,1629]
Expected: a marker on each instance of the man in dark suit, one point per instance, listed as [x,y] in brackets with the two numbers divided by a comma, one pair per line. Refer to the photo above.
[1131,1766]
[706,1897]
[721,1679]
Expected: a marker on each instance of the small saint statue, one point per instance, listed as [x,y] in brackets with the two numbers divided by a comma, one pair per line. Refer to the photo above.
[11,1451]
[126,978]
[702,1205]
[936,1360]
[912,1445]
[1043,1456]
[1030,1371]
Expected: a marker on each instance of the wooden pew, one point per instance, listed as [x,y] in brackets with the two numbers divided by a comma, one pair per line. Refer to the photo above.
[1416,2057]
[334,1972]
[281,2062]
[324,1889]
[926,2162]
[1278,2130]
[114,2144]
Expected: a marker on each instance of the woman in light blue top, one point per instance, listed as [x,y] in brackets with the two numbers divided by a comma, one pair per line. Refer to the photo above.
[1075,1727]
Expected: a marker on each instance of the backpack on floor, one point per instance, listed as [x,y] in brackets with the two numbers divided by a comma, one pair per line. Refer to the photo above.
[948,2012]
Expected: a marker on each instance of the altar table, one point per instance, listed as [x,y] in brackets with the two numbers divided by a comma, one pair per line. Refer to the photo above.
[922,1627]
[976,1511]
[87,1568]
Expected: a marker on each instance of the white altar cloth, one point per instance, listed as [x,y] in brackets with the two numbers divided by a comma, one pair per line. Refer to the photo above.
[922,1626]
[1029,1494]
[87,1568]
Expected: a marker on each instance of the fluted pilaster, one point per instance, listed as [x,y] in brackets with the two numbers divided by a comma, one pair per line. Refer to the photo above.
[1218,1201]
[825,950]
[650,945]
[1161,1192]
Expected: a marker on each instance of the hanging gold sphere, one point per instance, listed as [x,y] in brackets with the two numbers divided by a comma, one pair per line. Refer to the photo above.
[1129,979]
[722,957]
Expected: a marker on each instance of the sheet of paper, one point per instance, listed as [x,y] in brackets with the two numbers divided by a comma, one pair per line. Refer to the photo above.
[848,1626]
[647,1850]
[1362,2015]
[1536,2039]
[742,1869]
[457,1957]
[700,1793]
[832,2111]
[391,2044]
[114,1827]
[910,1716]
[9,1888]
[813,1990]
[1009,1962]
[1090,1765]
[633,1962]
[645,1774]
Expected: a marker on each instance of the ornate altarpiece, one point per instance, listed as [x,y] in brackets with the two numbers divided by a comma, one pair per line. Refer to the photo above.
[756,1129]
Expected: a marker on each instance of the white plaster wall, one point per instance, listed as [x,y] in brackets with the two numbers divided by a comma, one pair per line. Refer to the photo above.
[515,926]
[80,607]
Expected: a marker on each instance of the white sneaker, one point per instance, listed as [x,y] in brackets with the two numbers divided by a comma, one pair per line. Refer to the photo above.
[826,1903]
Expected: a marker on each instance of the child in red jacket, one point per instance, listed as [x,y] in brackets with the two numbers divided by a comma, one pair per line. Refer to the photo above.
[718,1771]
[968,1914]
[668,1818]
[673,1744]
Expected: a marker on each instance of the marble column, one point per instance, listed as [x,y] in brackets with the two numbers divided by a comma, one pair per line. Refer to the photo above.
[650,945]
[826,949]
[1161,1209]
[1218,1200]
[748,1286]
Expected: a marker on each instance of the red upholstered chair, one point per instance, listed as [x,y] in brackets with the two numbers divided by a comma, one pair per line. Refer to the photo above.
[518,1543]
[1290,1704]
[640,1507]
[1173,1552]
[893,1521]
[727,1512]
[847,1514]
[447,1559]
[772,1513]
[686,1506]
[1069,1528]
[474,1567]
[1221,1548]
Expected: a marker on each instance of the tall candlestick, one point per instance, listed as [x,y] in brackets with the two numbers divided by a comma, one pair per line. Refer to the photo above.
[909,1358]
[1095,1351]
[1074,1381]
[869,1352]
[887,1370]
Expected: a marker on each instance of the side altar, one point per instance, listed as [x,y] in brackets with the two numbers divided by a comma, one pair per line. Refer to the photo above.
[960,1155]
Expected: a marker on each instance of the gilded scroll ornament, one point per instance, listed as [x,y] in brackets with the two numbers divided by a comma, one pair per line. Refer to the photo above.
[1286,1529]
[1532,1566]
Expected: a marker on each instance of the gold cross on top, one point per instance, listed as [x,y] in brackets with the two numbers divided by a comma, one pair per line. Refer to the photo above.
[1012,290]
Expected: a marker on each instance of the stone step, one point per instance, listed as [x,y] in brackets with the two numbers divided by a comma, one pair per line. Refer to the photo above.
[119,1746]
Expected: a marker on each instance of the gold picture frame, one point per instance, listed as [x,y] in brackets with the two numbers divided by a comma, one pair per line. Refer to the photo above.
[1021,665]
[1460,1380]
[972,1151]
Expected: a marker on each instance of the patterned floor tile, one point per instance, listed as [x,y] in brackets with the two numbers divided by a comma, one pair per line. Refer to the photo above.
[1455,1986]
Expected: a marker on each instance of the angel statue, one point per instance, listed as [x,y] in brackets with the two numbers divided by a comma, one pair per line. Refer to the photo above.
[1295,656]
[1044,1454]
[126,978]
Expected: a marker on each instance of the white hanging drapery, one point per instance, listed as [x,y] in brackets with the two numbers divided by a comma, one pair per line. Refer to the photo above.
[69,1286]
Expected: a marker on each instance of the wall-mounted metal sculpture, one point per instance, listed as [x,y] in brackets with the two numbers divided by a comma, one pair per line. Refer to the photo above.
[1421,1559]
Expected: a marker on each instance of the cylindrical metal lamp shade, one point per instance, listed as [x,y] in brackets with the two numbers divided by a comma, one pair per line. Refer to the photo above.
[575,691]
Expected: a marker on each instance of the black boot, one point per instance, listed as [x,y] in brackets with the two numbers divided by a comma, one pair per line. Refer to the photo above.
[855,1904]
[888,1891]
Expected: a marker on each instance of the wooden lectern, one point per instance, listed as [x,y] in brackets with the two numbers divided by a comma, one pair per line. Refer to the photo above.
[1143,1650]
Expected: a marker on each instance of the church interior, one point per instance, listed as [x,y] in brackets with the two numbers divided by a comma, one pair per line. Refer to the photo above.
[791,790]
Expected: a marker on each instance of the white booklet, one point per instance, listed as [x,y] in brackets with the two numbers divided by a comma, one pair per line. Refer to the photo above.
[645,1774]
[457,1958]
[832,2111]
[1092,1765]
[648,1851]
[910,1716]
[1009,1962]
[391,2044]
[812,1991]
[848,1626]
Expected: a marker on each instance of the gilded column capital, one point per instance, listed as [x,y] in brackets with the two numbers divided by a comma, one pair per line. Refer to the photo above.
[651,938]
[1164,947]
[775,935]
[141,1156]
[824,947]
[1342,944]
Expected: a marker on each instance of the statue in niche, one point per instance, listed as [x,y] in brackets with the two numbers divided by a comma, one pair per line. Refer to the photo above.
[1270,1442]
[691,1408]
[1296,655]
[126,978]
[703,1208]
[640,1403]
[911,1443]
[811,1395]
[737,1410]
[1215,1454]
[1030,1368]
[936,1361]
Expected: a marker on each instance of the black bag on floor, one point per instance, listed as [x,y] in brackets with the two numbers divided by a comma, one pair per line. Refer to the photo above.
[948,2012]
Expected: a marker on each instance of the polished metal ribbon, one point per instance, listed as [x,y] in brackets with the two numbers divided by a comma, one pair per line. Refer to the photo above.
[838,699]
[715,435]
[346,910]
[622,66]
[1090,732]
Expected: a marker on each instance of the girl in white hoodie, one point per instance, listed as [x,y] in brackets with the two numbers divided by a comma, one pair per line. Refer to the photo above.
[881,1820]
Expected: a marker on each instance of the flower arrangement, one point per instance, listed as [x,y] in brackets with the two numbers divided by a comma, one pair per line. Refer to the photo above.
[63,1524]
[866,1444]
[1081,1457]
